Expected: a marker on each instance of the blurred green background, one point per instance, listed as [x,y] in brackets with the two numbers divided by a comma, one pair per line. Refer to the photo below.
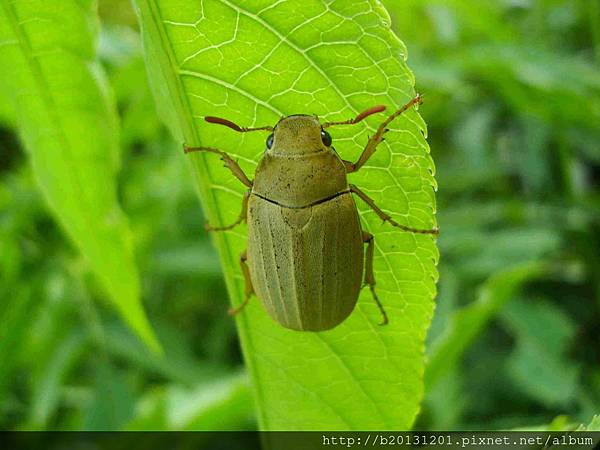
[512,92]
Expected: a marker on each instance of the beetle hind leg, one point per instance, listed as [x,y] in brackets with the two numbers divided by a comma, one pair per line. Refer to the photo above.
[249,289]
[370,274]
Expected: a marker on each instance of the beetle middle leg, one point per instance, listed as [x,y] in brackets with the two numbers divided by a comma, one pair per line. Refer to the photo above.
[229,162]
[248,289]
[377,138]
[386,217]
[239,220]
[370,274]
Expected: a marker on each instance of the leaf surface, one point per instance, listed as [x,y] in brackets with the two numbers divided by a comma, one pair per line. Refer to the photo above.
[253,62]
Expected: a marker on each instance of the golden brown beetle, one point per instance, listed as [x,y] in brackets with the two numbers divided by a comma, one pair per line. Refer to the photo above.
[305,242]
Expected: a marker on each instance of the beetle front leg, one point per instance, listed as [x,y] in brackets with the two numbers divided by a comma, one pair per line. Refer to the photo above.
[385,217]
[370,274]
[377,138]
[248,289]
[239,220]
[229,162]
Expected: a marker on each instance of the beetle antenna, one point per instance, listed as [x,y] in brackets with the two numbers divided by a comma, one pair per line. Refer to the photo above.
[363,115]
[234,126]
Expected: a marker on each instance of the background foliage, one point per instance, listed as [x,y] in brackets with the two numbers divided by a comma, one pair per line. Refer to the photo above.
[512,103]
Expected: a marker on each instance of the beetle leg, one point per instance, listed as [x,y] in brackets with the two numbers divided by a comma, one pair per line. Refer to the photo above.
[370,274]
[239,220]
[377,138]
[229,162]
[248,290]
[385,217]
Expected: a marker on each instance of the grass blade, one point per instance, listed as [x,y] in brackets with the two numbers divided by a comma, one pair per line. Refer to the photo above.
[67,121]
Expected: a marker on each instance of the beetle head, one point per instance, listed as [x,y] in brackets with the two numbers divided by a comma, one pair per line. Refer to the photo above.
[297,135]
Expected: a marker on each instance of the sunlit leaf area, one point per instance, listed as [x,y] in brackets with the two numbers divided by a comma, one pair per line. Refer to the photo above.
[114,297]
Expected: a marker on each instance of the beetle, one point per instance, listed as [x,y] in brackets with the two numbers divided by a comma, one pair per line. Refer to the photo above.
[305,259]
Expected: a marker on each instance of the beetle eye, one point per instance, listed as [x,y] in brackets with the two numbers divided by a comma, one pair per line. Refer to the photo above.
[326,138]
[270,141]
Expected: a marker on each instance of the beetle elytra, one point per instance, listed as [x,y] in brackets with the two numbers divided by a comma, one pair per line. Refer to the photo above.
[305,258]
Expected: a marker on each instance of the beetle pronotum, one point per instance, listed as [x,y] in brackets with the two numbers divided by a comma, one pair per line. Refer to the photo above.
[305,242]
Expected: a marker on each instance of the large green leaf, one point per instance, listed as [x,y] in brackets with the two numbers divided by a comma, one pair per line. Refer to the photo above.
[254,61]
[68,124]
